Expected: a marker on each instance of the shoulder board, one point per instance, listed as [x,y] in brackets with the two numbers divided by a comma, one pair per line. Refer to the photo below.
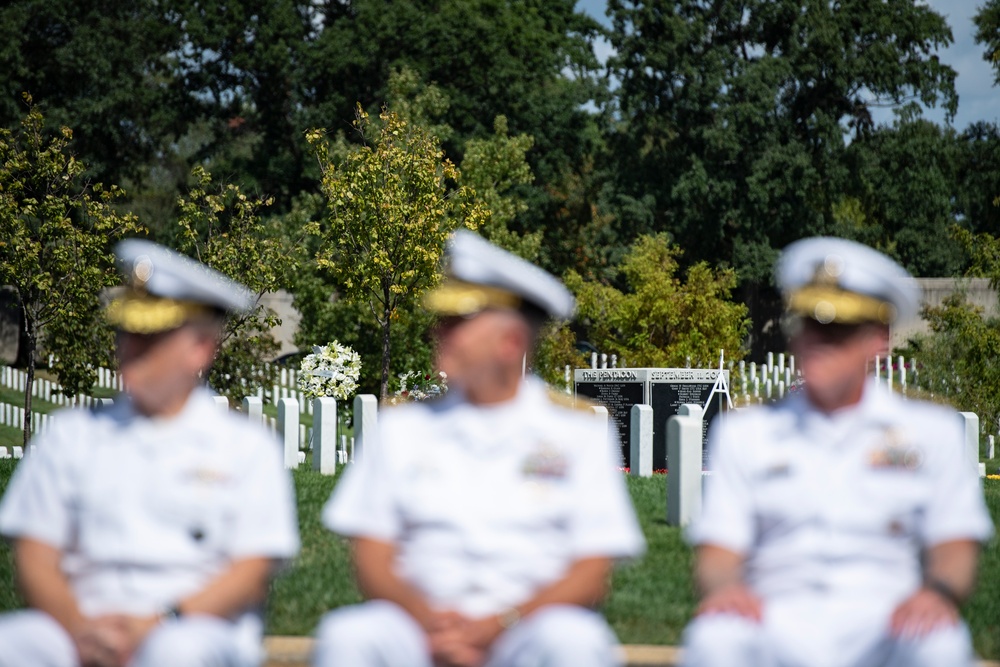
[569,402]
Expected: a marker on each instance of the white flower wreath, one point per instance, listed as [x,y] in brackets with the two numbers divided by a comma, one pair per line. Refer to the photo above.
[330,371]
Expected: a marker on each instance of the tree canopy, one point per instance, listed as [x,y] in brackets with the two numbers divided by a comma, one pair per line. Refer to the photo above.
[392,203]
[663,320]
[728,128]
[56,233]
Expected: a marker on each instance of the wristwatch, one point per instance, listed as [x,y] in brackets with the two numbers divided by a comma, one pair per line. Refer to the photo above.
[942,589]
[171,613]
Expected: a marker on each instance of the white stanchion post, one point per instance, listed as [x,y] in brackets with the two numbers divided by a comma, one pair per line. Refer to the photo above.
[288,430]
[684,465]
[365,422]
[221,402]
[325,435]
[641,445]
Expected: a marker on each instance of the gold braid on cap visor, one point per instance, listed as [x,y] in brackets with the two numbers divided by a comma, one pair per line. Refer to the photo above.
[455,297]
[142,313]
[826,304]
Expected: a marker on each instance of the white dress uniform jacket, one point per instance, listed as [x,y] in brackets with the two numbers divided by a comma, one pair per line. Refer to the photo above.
[148,511]
[833,511]
[487,505]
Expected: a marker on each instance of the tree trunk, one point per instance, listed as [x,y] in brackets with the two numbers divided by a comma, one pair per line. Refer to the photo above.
[386,322]
[31,337]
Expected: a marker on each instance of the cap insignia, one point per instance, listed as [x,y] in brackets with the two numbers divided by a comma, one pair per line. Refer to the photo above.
[142,271]
[828,271]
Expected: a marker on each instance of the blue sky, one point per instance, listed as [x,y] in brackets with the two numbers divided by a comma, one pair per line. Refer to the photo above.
[978,98]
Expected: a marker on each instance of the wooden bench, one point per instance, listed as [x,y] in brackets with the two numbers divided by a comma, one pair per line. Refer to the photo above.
[295,651]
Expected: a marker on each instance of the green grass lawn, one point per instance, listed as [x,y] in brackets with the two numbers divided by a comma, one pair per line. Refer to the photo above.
[650,602]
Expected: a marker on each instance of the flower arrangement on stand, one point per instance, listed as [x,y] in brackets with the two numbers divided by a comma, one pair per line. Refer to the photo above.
[331,371]
[414,386]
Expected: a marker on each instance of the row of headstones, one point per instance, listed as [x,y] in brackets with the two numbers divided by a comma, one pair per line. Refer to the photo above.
[16,379]
[286,377]
[684,452]
[13,416]
[294,436]
[279,392]
[327,449]
[772,378]
[18,452]
[47,390]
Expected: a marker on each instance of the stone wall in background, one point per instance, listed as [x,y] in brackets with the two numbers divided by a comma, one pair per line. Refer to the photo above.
[977,290]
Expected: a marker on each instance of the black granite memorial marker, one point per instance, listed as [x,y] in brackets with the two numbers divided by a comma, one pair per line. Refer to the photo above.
[617,390]
[670,388]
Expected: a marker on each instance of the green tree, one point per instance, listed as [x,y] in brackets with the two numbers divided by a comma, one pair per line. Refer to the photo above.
[662,320]
[494,167]
[734,114]
[221,227]
[247,70]
[987,21]
[392,203]
[326,315]
[55,251]
[959,360]
[488,57]
[904,179]
[978,177]
[101,67]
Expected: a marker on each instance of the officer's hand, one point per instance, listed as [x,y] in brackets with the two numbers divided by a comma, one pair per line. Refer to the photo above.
[921,613]
[732,599]
[448,640]
[101,642]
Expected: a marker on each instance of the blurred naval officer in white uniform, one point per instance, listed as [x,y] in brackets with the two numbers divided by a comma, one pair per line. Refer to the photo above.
[484,524]
[146,534]
[842,525]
